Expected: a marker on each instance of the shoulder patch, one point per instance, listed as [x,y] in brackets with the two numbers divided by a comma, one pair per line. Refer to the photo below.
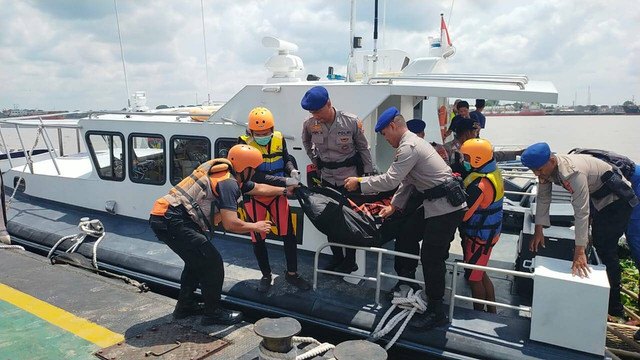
[567,185]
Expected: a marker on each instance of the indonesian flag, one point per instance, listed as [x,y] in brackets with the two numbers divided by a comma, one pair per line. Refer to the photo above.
[444,32]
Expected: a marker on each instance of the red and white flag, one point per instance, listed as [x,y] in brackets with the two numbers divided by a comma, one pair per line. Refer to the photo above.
[444,32]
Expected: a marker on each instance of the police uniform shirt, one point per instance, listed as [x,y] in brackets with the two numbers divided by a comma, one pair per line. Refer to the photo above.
[416,165]
[580,175]
[336,142]
[230,193]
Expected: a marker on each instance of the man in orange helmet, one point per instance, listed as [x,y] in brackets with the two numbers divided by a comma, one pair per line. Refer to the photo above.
[277,169]
[180,219]
[482,223]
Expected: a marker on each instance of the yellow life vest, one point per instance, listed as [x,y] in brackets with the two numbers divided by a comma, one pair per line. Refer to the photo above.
[495,177]
[272,155]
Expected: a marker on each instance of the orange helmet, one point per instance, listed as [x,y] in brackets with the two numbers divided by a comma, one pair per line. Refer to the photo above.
[480,152]
[260,118]
[244,156]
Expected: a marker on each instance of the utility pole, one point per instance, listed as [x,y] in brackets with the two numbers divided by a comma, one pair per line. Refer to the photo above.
[589,95]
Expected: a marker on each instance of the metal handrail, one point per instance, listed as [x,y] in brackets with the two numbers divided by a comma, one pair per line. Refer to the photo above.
[379,273]
[35,117]
[523,78]
[142,113]
[390,79]
[453,297]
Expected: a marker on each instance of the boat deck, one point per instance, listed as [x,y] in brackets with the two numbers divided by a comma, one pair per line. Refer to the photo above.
[60,312]
[130,248]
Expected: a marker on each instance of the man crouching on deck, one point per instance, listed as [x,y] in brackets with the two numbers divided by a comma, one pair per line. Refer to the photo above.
[180,219]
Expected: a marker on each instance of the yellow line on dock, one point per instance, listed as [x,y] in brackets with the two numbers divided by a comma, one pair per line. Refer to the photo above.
[80,327]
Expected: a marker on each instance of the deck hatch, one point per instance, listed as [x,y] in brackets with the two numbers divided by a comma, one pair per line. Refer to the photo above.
[165,341]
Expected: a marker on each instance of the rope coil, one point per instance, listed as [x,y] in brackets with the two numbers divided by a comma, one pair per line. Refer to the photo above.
[87,227]
[412,303]
[321,348]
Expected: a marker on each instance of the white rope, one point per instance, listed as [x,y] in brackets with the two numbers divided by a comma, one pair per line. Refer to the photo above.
[321,348]
[3,246]
[87,227]
[410,304]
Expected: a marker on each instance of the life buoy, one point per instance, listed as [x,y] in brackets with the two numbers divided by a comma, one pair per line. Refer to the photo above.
[442,118]
[206,112]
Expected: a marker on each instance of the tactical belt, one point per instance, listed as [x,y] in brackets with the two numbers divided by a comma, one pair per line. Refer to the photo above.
[452,189]
[612,183]
[352,161]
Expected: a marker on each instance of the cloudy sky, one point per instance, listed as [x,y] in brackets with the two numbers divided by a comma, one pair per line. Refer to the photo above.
[65,54]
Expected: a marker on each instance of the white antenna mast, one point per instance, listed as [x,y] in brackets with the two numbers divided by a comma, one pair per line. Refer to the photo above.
[206,62]
[450,12]
[124,69]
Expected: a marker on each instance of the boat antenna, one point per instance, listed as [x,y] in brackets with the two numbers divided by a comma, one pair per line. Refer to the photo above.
[206,62]
[384,24]
[450,12]
[375,39]
[124,68]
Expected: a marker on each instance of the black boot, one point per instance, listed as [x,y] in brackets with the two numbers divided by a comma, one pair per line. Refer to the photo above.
[297,281]
[187,304]
[434,317]
[347,267]
[221,317]
[265,284]
[335,262]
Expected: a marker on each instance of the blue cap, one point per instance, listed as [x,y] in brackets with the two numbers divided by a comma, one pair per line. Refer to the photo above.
[536,155]
[386,117]
[315,98]
[416,125]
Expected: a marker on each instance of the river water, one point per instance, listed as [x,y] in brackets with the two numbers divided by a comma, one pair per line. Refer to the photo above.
[619,133]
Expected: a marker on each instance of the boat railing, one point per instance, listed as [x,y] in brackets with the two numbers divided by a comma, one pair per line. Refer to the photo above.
[510,80]
[36,121]
[454,282]
[381,274]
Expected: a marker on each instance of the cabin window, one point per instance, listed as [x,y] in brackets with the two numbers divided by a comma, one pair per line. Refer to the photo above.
[147,159]
[223,145]
[107,152]
[187,153]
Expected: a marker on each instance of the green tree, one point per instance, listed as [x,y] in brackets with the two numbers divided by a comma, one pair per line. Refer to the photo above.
[628,103]
[593,108]
[161,107]
[491,103]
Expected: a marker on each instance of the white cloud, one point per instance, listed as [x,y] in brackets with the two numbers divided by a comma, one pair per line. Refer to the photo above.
[66,55]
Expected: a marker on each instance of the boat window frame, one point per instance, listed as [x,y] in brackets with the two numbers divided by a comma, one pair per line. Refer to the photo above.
[219,140]
[131,153]
[94,158]
[171,150]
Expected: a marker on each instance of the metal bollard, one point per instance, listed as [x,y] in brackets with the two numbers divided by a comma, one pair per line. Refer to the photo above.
[277,334]
[359,349]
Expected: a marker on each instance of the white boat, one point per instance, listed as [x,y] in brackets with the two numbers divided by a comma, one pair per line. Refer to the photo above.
[133,158]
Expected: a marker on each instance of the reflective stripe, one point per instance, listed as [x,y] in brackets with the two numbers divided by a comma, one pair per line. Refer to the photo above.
[485,223]
[273,161]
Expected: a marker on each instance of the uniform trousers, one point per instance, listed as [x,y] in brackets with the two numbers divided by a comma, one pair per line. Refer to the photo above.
[607,227]
[202,262]
[439,231]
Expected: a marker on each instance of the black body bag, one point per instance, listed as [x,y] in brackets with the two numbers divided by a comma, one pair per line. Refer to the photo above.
[331,212]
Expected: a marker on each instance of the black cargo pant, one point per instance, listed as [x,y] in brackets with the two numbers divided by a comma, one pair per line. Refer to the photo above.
[409,233]
[607,227]
[290,253]
[439,231]
[202,262]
